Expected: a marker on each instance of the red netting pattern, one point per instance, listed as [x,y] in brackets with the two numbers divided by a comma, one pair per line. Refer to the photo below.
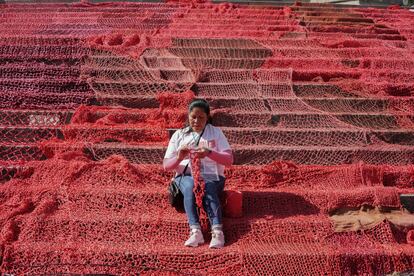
[317,102]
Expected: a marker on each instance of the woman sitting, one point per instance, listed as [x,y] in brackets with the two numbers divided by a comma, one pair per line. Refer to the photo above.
[215,153]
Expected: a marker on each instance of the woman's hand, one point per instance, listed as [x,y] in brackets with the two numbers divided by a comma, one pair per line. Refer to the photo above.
[183,153]
[203,152]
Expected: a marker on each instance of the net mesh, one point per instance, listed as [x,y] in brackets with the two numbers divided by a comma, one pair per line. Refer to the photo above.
[317,102]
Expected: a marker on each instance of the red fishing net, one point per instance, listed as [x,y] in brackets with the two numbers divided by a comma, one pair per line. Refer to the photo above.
[198,191]
[316,101]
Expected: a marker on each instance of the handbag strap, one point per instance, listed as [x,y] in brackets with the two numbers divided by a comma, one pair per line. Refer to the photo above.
[197,142]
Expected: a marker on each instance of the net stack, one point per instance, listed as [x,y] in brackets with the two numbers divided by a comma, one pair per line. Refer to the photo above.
[317,102]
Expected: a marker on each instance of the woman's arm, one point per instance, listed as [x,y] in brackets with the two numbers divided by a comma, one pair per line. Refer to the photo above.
[173,162]
[170,163]
[224,158]
[224,154]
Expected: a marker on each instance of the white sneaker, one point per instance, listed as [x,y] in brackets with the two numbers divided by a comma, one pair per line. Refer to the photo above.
[196,238]
[217,239]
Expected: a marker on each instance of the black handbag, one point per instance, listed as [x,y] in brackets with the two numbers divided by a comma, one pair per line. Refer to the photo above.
[175,196]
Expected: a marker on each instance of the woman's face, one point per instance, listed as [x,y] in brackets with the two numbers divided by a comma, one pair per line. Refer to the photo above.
[197,118]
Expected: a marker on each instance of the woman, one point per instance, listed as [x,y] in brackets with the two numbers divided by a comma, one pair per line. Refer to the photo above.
[215,153]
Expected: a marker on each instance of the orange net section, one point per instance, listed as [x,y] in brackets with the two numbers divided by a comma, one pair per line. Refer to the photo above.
[316,101]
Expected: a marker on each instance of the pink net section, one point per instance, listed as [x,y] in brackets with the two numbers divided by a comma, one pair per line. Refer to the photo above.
[316,101]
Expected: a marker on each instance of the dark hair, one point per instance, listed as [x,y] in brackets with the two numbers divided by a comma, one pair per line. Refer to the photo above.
[200,103]
[203,104]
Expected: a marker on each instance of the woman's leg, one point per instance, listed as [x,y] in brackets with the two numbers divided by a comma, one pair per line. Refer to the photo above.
[211,201]
[212,206]
[186,185]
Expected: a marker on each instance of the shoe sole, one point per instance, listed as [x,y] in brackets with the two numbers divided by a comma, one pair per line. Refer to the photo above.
[216,247]
[194,245]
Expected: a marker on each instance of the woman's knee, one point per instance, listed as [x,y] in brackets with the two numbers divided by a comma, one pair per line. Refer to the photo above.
[211,195]
[186,186]
[213,188]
